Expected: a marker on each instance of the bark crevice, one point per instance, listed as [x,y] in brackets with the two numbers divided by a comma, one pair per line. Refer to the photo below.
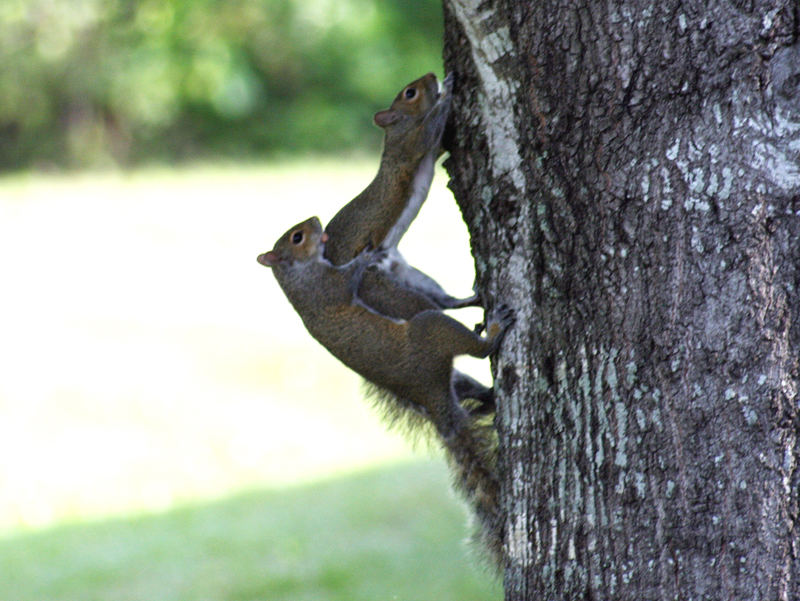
[630,176]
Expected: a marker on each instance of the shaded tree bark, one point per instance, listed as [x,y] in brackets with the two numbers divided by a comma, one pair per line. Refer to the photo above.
[630,176]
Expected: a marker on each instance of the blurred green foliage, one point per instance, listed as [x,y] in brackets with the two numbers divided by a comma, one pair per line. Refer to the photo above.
[93,82]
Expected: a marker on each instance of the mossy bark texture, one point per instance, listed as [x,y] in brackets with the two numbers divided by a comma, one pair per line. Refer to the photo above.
[630,175]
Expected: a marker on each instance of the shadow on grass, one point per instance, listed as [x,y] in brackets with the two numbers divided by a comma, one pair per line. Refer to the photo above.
[390,533]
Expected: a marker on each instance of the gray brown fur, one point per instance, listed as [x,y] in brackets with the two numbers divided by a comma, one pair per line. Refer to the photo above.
[409,361]
[412,129]
[378,217]
[412,358]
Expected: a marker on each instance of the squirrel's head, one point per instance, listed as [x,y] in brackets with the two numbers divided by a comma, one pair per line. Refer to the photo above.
[302,242]
[415,101]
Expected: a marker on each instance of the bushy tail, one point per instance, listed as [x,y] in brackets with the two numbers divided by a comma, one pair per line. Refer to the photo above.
[471,446]
[399,414]
[472,453]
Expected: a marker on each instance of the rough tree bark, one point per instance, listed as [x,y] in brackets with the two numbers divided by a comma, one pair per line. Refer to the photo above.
[630,176]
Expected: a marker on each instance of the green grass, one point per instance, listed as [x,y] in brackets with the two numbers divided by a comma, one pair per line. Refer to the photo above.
[152,367]
[389,533]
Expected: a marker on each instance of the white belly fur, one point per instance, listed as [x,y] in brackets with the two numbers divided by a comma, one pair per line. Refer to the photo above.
[419,191]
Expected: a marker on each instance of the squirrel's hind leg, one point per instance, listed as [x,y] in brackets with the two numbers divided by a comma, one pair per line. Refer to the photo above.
[468,389]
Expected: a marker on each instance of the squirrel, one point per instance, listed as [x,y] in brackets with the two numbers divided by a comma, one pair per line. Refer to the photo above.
[384,293]
[409,361]
[378,217]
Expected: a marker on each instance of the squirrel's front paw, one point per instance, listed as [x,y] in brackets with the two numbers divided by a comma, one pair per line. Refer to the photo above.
[500,319]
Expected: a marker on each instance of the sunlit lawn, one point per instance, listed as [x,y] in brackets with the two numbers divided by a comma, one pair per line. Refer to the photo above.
[386,534]
[150,365]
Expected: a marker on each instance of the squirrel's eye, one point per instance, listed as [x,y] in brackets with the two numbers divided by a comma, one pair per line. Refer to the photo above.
[410,93]
[297,237]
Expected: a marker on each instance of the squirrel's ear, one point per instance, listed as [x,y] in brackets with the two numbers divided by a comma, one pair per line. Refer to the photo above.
[269,259]
[386,118]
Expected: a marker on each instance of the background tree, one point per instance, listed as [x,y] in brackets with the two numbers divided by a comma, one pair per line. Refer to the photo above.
[630,175]
[92,82]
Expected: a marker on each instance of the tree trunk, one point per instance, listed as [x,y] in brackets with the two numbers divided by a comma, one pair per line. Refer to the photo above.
[630,176]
